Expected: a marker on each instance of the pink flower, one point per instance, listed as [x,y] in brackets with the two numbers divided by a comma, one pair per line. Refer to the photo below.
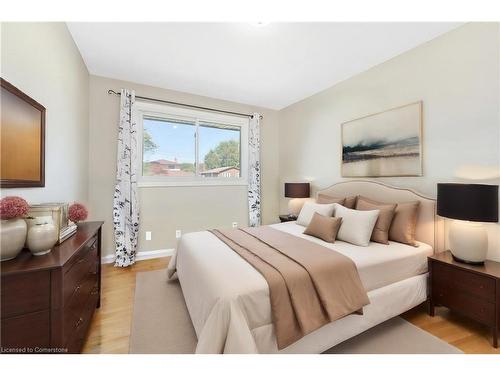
[77,212]
[12,207]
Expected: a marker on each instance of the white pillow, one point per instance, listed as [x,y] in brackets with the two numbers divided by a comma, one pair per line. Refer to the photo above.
[308,210]
[357,226]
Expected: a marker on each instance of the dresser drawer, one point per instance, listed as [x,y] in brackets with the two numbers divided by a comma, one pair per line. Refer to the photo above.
[473,307]
[25,293]
[467,282]
[90,245]
[27,331]
[75,310]
[77,338]
[78,270]
[78,299]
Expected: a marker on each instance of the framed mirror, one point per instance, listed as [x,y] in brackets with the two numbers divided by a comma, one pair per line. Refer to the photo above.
[22,139]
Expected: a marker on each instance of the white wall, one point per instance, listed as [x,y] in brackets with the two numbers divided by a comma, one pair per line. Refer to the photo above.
[457,78]
[165,209]
[42,60]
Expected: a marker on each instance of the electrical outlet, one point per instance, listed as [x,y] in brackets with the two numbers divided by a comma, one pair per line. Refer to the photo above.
[235,224]
[148,236]
[178,233]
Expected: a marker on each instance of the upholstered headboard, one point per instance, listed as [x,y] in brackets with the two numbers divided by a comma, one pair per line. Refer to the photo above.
[429,226]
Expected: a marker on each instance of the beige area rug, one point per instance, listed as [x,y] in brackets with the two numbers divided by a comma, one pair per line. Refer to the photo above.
[161,324]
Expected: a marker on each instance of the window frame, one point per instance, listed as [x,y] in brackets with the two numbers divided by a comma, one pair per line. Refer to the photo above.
[164,111]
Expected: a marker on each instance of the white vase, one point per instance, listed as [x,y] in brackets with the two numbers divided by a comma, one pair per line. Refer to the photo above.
[41,238]
[12,238]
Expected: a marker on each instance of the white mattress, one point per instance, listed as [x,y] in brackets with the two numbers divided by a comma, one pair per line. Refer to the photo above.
[378,264]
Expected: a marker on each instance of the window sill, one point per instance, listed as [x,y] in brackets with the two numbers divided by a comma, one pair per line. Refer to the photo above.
[153,184]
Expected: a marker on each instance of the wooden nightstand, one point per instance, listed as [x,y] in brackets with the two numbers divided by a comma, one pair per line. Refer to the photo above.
[284,218]
[473,291]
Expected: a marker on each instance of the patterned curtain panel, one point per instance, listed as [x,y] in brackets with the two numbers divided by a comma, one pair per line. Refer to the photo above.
[254,171]
[125,202]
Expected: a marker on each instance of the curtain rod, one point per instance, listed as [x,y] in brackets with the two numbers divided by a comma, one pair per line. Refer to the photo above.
[113,92]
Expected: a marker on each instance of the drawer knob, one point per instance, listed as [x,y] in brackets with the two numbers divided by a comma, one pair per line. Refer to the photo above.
[94,291]
[80,321]
[77,288]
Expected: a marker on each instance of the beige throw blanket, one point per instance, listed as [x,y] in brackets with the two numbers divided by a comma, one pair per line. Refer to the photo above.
[309,285]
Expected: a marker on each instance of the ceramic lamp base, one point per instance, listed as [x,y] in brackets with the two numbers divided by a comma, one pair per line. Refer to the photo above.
[295,205]
[468,242]
[467,261]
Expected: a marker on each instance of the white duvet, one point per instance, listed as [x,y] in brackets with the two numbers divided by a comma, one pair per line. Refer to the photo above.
[228,300]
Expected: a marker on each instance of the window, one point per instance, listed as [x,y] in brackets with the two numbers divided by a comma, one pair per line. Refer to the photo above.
[168,147]
[219,149]
[189,147]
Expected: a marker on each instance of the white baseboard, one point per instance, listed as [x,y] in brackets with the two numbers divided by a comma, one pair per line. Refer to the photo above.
[142,255]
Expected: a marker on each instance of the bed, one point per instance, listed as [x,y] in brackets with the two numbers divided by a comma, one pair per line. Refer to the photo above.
[229,303]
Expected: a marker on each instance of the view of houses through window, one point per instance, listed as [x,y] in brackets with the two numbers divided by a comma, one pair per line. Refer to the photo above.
[188,148]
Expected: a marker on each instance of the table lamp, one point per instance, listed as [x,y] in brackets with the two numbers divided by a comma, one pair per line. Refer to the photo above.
[297,191]
[469,205]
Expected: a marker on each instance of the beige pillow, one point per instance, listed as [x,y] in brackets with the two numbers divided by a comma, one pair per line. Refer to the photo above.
[308,210]
[349,202]
[357,226]
[404,223]
[380,232]
[328,199]
[323,227]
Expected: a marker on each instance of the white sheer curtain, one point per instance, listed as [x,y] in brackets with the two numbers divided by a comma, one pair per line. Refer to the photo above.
[254,171]
[125,202]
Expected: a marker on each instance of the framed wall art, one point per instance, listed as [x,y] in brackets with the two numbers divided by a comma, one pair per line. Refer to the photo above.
[383,144]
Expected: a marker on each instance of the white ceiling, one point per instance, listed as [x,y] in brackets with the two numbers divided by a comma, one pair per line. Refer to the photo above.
[270,66]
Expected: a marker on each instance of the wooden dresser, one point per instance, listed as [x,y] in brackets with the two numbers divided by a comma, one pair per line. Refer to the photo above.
[48,301]
[473,291]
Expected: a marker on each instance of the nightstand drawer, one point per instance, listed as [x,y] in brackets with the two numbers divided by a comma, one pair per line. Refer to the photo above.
[463,281]
[472,290]
[464,303]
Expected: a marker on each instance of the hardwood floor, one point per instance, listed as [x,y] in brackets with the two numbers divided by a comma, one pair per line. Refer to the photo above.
[463,333]
[110,327]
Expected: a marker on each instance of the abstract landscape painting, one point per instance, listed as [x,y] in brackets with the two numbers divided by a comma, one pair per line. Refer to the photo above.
[388,143]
